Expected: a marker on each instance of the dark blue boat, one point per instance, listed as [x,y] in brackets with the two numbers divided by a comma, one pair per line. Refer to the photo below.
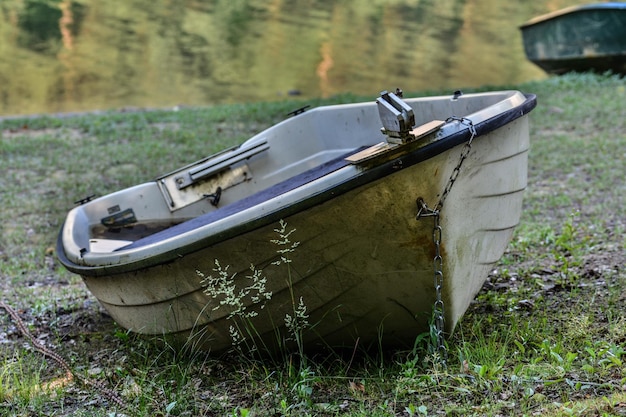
[583,38]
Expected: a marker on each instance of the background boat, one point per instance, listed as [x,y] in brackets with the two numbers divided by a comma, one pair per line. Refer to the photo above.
[591,37]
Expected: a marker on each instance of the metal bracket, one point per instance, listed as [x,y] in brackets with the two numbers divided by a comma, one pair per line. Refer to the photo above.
[396,116]
[214,198]
[85,200]
[298,111]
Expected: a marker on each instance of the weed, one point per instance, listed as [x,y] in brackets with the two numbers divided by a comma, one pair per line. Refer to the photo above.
[413,410]
[297,323]
[222,287]
[243,299]
[285,245]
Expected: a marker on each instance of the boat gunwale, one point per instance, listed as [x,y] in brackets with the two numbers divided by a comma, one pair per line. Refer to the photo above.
[363,177]
[571,10]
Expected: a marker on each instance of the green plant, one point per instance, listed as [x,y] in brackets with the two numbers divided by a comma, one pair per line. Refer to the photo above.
[412,410]
[242,297]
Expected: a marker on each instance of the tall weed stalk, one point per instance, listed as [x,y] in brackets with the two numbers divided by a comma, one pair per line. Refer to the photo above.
[244,298]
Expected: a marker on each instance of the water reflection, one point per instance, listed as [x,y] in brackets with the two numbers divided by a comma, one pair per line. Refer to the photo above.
[39,26]
[67,55]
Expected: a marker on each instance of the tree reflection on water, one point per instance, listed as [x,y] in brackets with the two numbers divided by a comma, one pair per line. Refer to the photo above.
[70,55]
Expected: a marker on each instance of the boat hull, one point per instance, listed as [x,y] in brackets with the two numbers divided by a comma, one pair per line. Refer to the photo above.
[362,265]
[362,274]
[582,38]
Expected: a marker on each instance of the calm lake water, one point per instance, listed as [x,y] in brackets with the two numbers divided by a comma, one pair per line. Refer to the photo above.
[74,55]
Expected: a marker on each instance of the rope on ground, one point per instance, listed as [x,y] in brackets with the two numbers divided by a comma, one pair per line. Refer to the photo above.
[70,374]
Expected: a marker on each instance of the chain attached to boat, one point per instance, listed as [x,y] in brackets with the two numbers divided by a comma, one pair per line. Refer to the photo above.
[464,153]
[424,211]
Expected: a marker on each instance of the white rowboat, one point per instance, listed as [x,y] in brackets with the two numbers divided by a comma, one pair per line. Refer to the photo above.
[363,263]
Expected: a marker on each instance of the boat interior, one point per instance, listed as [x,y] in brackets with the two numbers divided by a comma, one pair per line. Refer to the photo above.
[286,156]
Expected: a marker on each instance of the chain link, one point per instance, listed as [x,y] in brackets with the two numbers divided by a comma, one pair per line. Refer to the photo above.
[464,153]
[438,306]
[424,211]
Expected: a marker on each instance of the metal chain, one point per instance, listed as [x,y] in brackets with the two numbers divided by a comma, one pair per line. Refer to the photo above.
[425,211]
[464,153]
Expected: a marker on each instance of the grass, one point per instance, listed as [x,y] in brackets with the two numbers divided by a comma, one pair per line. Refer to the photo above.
[546,336]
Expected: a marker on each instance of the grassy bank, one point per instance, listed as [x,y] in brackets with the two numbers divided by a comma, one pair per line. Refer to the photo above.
[547,335]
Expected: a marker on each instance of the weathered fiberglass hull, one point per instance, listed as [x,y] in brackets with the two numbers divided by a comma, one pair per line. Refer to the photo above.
[363,265]
[589,37]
